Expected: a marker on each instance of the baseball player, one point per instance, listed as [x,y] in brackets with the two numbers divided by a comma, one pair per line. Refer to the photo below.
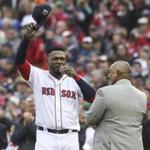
[56,92]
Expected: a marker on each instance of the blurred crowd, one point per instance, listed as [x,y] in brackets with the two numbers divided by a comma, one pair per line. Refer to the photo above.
[94,34]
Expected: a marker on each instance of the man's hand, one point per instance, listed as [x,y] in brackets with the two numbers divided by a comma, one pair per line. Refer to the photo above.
[31,30]
[28,118]
[68,70]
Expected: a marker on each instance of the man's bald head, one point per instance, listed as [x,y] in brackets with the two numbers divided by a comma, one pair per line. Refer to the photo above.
[119,70]
[121,66]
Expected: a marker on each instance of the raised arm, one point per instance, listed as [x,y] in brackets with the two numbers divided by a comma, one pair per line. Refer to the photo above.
[20,60]
[87,91]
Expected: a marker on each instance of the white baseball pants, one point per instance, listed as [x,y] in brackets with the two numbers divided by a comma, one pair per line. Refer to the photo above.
[50,141]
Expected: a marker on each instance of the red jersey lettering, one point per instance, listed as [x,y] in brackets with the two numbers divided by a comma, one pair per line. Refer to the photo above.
[48,91]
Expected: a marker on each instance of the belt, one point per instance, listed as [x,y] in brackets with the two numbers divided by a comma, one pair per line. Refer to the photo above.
[63,131]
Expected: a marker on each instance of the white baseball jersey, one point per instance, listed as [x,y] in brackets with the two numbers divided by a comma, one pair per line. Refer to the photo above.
[56,101]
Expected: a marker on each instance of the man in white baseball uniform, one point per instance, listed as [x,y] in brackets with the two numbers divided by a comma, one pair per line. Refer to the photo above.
[56,92]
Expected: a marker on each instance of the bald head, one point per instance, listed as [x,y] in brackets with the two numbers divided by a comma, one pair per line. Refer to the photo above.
[119,70]
[121,66]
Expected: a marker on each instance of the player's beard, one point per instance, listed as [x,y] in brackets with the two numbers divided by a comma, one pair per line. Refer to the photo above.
[55,71]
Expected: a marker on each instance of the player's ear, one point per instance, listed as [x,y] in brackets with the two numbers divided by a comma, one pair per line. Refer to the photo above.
[118,73]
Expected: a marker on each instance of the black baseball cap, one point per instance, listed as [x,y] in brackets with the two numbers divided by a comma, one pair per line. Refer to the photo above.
[40,13]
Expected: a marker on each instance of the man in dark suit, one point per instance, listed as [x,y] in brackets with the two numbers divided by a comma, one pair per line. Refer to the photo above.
[146,129]
[146,134]
[24,134]
[3,137]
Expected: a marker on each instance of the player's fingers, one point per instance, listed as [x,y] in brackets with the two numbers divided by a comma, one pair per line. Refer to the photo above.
[63,68]
[63,71]
[34,26]
[31,26]
[67,70]
[68,73]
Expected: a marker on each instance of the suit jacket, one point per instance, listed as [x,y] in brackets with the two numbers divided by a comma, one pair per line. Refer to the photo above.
[117,113]
[24,136]
[3,136]
[146,134]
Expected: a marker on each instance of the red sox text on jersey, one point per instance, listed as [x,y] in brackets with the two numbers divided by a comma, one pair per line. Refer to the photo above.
[64,93]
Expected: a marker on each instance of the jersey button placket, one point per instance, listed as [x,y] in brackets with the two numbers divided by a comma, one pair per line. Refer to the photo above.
[58,106]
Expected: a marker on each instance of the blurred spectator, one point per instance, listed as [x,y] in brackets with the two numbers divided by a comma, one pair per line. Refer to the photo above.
[90,67]
[103,64]
[59,13]
[146,134]
[22,88]
[75,29]
[138,82]
[124,15]
[2,97]
[79,69]
[61,26]
[84,14]
[143,59]
[2,37]
[147,84]
[5,2]
[6,51]
[98,46]
[12,110]
[48,39]
[146,129]
[82,133]
[12,38]
[7,69]
[121,53]
[71,46]
[116,40]
[3,137]
[24,134]
[97,79]
[86,50]
[143,23]
[136,69]
[5,121]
